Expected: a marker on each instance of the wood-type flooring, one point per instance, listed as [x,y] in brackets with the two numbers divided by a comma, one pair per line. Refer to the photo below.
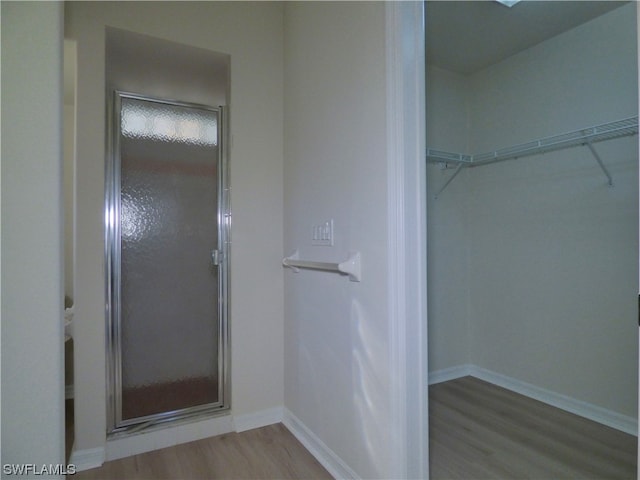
[481,431]
[477,431]
[263,453]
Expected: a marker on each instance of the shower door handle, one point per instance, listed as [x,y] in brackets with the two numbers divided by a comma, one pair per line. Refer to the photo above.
[216,257]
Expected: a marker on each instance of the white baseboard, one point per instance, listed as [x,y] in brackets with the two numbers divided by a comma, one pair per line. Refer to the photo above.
[601,415]
[87,459]
[259,419]
[146,441]
[190,431]
[327,457]
[450,373]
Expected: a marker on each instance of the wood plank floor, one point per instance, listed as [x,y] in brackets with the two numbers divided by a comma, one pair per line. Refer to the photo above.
[264,453]
[477,431]
[481,431]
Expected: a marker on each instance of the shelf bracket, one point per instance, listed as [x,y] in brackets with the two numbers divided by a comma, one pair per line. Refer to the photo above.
[457,171]
[599,160]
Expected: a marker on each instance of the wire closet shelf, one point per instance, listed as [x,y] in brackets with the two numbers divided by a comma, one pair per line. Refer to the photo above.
[582,137]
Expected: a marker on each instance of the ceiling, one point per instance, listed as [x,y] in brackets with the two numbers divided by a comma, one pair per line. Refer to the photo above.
[467,36]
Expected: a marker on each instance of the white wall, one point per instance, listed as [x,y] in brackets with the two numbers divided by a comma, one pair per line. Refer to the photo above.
[449,237]
[337,346]
[553,250]
[69,73]
[160,68]
[251,33]
[32,249]
[69,157]
[69,197]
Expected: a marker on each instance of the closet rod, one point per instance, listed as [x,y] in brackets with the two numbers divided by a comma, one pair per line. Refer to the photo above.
[584,136]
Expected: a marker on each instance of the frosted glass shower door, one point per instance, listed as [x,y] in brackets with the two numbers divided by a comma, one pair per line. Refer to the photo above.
[167,254]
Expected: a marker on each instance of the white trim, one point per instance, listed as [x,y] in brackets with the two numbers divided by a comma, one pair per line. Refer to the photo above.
[587,410]
[87,459]
[327,457]
[189,431]
[146,441]
[450,373]
[259,419]
[406,220]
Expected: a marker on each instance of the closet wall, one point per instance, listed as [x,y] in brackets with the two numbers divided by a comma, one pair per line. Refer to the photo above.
[533,262]
[448,243]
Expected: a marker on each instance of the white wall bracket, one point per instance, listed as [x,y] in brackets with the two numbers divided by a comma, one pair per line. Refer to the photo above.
[458,169]
[351,266]
[599,160]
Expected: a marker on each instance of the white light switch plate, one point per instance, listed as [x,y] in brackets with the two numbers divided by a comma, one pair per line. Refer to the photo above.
[322,233]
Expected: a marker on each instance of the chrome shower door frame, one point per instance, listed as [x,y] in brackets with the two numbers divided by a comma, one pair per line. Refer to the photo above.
[115,424]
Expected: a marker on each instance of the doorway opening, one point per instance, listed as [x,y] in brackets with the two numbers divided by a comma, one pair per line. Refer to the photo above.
[532,253]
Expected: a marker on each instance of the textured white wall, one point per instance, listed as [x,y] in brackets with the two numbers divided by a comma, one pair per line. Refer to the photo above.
[449,237]
[69,162]
[69,165]
[32,226]
[553,253]
[251,33]
[160,68]
[337,378]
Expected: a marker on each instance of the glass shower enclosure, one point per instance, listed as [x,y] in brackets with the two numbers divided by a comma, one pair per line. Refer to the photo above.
[167,249]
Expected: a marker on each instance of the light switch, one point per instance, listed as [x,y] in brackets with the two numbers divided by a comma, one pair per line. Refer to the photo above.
[322,233]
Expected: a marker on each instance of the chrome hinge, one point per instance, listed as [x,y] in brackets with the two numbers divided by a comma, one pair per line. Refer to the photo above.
[216,257]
